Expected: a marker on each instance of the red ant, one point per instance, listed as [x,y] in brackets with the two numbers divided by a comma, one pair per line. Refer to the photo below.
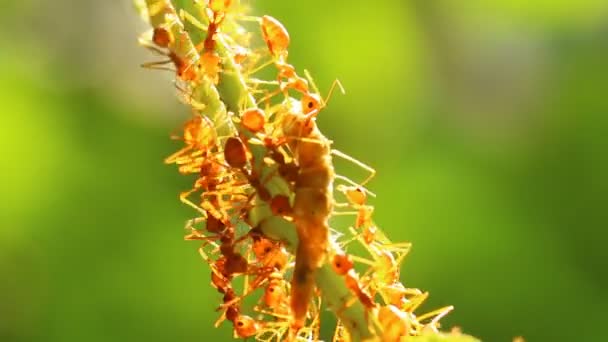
[343,265]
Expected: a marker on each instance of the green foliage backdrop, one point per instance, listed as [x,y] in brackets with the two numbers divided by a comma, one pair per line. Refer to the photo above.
[487,123]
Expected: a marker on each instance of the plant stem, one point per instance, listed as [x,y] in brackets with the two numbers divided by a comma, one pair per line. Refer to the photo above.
[230,95]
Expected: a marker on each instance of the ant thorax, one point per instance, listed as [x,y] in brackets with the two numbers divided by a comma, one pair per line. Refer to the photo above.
[308,144]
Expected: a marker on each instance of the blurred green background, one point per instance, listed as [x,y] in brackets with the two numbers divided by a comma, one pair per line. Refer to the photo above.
[487,123]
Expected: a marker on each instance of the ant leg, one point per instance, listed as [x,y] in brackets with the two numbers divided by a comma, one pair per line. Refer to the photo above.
[269,96]
[308,140]
[416,302]
[362,260]
[183,197]
[190,223]
[345,156]
[331,90]
[175,157]
[187,17]
[148,45]
[344,213]
[249,18]
[312,82]
[194,232]
[439,313]
[223,205]
[186,95]
[190,161]
[343,189]
[401,248]
[258,81]
[246,280]
[205,205]
[339,333]
[159,6]
[157,65]
[258,68]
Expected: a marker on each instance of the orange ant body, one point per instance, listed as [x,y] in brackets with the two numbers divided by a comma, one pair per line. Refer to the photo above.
[275,296]
[184,68]
[253,120]
[235,154]
[270,254]
[198,156]
[313,200]
[180,52]
[233,262]
[230,173]
[219,5]
[352,283]
[276,37]
[209,62]
[357,198]
[218,280]
[343,265]
[280,205]
[245,326]
[162,37]
[199,137]
[395,323]
[355,195]
[287,170]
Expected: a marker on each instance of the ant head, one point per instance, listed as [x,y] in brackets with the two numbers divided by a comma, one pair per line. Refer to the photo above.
[219,5]
[199,131]
[261,247]
[273,294]
[253,120]
[342,263]
[192,129]
[355,195]
[245,326]
[311,103]
[277,259]
[184,68]
[162,37]
[280,205]
[186,72]
[209,60]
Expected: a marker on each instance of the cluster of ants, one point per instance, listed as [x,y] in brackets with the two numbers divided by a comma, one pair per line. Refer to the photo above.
[292,176]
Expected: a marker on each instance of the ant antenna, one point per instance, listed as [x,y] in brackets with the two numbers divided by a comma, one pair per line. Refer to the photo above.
[331,90]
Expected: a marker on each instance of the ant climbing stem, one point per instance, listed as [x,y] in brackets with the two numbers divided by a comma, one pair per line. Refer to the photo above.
[179,49]
[313,103]
[372,171]
[259,162]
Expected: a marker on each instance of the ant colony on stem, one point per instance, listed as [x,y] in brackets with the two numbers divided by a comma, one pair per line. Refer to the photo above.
[264,186]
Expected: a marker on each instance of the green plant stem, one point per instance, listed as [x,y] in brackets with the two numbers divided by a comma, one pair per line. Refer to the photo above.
[231,94]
